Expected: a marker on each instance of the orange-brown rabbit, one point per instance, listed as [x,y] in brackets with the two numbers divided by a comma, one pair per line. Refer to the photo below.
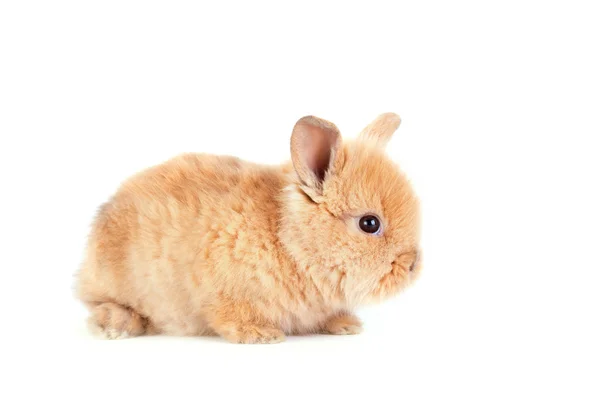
[205,244]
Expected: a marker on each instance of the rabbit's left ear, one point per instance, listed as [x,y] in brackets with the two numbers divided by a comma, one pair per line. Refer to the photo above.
[382,128]
[315,147]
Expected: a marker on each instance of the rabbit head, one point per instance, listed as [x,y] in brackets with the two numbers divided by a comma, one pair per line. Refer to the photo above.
[350,217]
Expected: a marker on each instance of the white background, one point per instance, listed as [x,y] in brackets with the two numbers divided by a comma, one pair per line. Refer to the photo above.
[500,104]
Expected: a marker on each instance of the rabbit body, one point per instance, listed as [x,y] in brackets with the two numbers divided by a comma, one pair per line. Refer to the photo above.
[214,245]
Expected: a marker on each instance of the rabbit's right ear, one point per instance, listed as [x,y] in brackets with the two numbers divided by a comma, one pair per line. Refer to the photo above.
[315,146]
[381,129]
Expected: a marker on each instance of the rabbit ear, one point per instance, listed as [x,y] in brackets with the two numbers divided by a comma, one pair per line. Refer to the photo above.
[382,128]
[315,145]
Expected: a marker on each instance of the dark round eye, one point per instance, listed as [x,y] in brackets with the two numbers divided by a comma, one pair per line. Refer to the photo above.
[369,224]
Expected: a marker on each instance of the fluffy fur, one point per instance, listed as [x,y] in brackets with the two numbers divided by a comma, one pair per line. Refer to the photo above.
[206,244]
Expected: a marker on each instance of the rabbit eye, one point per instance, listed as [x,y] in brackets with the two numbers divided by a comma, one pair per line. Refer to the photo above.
[370,224]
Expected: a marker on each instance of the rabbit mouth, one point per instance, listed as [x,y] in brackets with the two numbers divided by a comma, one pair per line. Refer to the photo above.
[399,269]
[400,272]
[396,275]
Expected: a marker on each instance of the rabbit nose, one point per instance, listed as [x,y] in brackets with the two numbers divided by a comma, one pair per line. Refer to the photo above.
[408,261]
[415,262]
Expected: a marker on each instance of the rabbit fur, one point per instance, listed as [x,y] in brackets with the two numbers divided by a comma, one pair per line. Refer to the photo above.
[215,245]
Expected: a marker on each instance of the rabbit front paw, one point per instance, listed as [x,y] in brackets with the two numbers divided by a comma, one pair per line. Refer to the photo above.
[345,324]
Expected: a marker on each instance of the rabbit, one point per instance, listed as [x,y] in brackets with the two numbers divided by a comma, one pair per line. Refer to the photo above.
[212,245]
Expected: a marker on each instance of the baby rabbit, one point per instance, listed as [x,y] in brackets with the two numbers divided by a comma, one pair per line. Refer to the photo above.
[214,245]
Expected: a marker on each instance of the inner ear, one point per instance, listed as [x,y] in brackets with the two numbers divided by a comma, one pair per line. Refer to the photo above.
[314,146]
[317,147]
